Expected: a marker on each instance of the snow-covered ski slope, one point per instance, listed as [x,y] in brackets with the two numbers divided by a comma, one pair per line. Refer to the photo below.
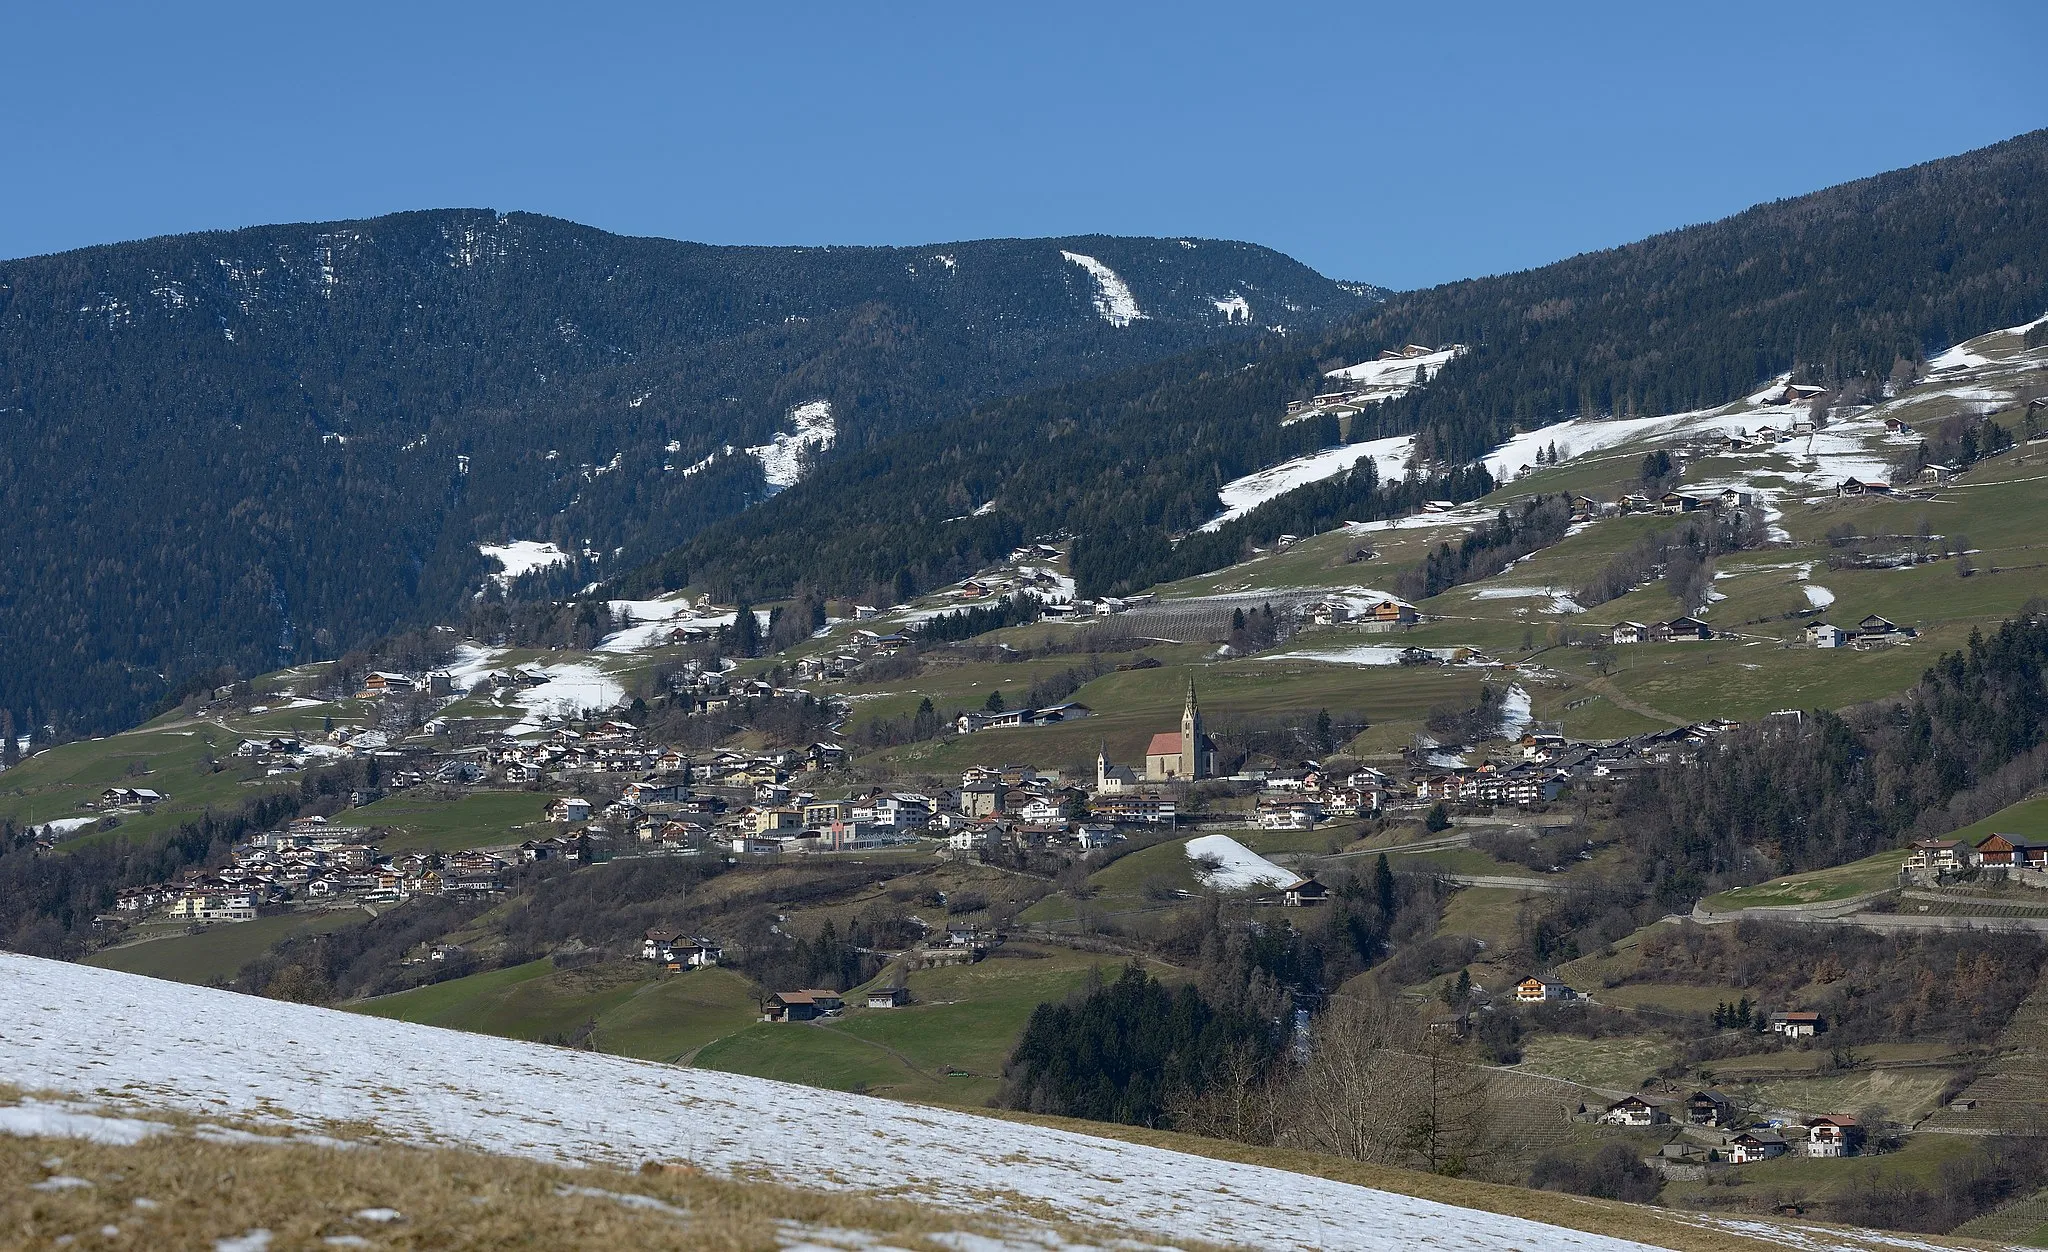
[128,1039]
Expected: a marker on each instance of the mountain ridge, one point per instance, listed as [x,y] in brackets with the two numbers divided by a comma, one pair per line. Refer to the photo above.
[244,447]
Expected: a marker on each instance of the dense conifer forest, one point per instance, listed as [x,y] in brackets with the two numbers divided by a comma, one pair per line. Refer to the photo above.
[267,445]
[1836,287]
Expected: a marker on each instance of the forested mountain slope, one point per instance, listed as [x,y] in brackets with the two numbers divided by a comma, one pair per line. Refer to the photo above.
[263,445]
[1837,287]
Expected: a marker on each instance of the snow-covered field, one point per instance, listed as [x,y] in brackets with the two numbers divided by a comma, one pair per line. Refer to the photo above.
[128,1040]
[1358,654]
[1396,377]
[569,690]
[1237,867]
[1242,495]
[1113,298]
[784,458]
[521,556]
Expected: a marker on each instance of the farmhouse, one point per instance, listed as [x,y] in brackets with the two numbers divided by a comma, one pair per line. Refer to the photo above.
[888,997]
[1835,1134]
[1304,893]
[1628,632]
[1537,988]
[1939,856]
[1798,1025]
[1633,1111]
[2002,851]
[1709,1108]
[803,1006]
[1755,1145]
[1822,635]
[1680,630]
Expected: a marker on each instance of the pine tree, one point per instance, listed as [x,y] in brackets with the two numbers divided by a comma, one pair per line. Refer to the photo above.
[1384,889]
[10,744]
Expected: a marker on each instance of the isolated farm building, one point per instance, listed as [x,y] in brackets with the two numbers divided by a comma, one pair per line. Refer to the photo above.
[1304,893]
[1798,1025]
[888,997]
[803,1006]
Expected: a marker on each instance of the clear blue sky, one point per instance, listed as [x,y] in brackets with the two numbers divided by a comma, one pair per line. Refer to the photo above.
[1400,144]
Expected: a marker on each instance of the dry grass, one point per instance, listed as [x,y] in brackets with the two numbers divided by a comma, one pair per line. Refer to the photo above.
[180,1190]
[1664,1228]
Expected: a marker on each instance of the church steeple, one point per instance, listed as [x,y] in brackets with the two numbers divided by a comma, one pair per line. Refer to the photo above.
[1191,761]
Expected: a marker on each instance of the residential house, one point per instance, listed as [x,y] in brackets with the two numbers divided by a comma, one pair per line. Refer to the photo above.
[1393,612]
[888,997]
[2001,851]
[1798,1025]
[982,800]
[1677,502]
[1862,487]
[1937,474]
[1822,635]
[1832,1134]
[1754,1145]
[1882,630]
[1304,893]
[1709,1108]
[1288,814]
[777,820]
[1538,988]
[1634,1111]
[1146,809]
[1680,630]
[569,809]
[1628,632]
[1936,856]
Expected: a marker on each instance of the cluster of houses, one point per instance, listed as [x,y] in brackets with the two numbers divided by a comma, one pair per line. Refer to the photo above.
[2015,856]
[1716,1132]
[1383,615]
[1677,630]
[1871,632]
[309,860]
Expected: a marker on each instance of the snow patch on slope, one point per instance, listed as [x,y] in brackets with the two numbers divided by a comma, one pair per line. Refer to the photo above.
[784,458]
[569,690]
[1113,298]
[1242,495]
[1396,375]
[121,1037]
[1238,867]
[521,556]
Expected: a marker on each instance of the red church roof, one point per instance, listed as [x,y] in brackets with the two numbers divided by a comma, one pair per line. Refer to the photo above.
[1164,745]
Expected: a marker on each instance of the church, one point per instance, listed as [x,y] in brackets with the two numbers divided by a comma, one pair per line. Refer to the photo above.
[1183,757]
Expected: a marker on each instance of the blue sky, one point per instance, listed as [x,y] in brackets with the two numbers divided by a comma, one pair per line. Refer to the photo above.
[1399,144]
